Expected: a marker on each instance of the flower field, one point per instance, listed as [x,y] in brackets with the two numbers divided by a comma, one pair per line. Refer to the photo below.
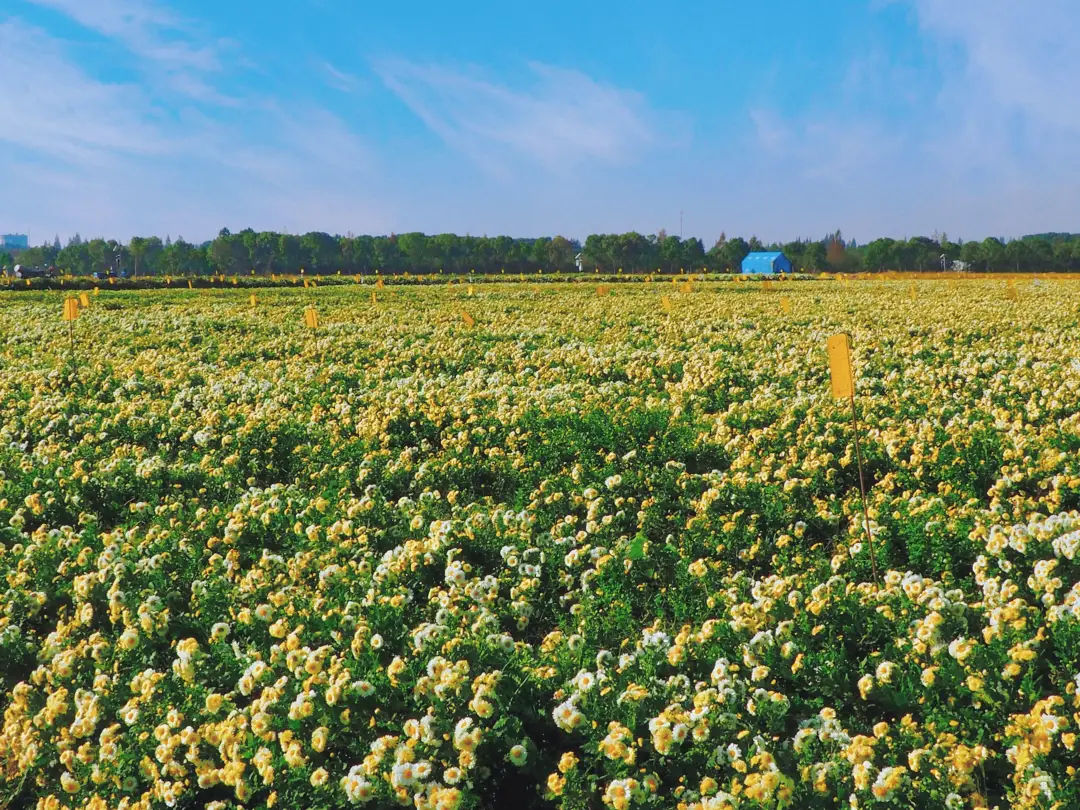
[591,551]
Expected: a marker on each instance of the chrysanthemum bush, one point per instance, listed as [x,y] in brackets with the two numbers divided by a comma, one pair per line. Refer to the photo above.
[609,560]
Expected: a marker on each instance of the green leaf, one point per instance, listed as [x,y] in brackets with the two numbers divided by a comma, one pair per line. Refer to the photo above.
[637,547]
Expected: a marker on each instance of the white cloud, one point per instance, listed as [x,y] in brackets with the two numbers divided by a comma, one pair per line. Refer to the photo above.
[563,119]
[974,135]
[146,28]
[78,153]
[54,108]
[1016,57]
[822,148]
[340,79]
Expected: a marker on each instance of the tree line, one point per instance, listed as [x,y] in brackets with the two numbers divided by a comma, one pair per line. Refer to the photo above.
[266,252]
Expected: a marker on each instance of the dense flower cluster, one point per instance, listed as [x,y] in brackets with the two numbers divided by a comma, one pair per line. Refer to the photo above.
[590,552]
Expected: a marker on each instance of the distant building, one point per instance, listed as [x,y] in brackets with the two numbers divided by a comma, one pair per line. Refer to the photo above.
[766,262]
[14,241]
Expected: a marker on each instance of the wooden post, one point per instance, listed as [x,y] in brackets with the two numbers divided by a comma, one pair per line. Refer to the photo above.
[843,386]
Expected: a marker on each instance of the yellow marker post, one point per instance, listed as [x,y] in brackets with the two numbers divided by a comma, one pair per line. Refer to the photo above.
[665,302]
[685,286]
[71,312]
[912,292]
[766,285]
[379,284]
[843,385]
[252,299]
[470,290]
[468,319]
[190,286]
[1010,290]
[785,306]
[311,318]
[602,290]
[839,348]
[84,300]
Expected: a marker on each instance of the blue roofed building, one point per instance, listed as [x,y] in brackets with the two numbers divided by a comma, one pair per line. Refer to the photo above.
[766,262]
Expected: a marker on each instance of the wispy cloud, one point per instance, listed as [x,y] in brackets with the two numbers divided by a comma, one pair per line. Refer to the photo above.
[58,110]
[1007,125]
[340,79]
[976,135]
[148,29]
[95,155]
[823,147]
[562,119]
[1014,56]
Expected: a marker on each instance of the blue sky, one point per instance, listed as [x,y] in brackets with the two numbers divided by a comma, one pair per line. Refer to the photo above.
[777,119]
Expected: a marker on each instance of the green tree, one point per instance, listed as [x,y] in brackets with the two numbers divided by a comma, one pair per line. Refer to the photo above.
[75,258]
[227,253]
[137,249]
[734,251]
[289,252]
[320,252]
[992,254]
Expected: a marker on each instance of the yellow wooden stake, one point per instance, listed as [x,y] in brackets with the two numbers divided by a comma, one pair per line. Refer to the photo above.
[602,290]
[785,306]
[470,289]
[839,348]
[373,298]
[379,284]
[766,285]
[311,318]
[71,312]
[843,386]
[190,286]
[84,300]
[252,299]
[468,319]
[665,302]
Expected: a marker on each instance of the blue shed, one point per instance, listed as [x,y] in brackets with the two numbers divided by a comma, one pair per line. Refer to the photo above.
[766,262]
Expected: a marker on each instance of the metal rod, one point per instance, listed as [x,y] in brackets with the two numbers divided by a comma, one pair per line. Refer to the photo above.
[862,488]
